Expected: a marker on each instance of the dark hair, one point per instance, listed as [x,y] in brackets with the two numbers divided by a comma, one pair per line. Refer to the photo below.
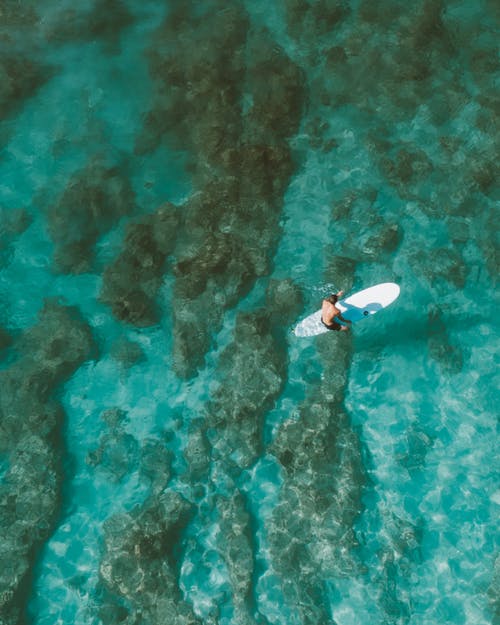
[333,299]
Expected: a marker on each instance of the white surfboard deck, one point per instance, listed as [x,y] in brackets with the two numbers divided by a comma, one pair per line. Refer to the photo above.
[354,307]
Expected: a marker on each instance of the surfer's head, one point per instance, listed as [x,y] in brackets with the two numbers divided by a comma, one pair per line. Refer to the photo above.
[333,299]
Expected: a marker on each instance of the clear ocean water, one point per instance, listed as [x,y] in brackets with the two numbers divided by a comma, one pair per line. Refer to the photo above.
[181,183]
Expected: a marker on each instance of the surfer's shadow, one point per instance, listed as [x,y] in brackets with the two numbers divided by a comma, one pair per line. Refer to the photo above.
[355,313]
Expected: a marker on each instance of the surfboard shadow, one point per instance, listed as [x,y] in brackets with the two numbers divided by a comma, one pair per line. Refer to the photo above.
[355,313]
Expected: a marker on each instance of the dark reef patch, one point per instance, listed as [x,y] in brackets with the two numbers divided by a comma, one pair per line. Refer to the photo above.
[117,454]
[155,463]
[226,244]
[127,353]
[310,19]
[23,71]
[394,62]
[12,224]
[311,532]
[105,23]
[276,88]
[253,374]
[20,79]
[236,547]
[252,371]
[405,169]
[367,235]
[441,349]
[139,570]
[30,420]
[197,454]
[232,97]
[445,264]
[419,443]
[93,201]
[17,16]
[233,108]
[422,65]
[494,592]
[253,368]
[197,62]
[131,282]
[398,562]
[5,340]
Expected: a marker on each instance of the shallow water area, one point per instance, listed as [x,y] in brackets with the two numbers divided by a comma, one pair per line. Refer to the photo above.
[180,186]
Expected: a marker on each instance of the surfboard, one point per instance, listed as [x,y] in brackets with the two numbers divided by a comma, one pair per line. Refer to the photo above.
[355,307]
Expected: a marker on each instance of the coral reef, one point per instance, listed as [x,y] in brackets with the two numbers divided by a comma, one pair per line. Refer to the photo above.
[309,20]
[253,373]
[441,349]
[30,420]
[197,61]
[155,463]
[131,281]
[253,370]
[5,339]
[368,236]
[15,16]
[118,452]
[236,546]
[197,454]
[310,532]
[139,568]
[446,263]
[422,66]
[104,22]
[95,198]
[398,559]
[227,248]
[406,169]
[398,78]
[22,69]
[231,97]
[127,353]
[20,79]
[12,224]
[228,440]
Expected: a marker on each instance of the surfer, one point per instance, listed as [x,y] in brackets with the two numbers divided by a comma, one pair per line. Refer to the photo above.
[329,312]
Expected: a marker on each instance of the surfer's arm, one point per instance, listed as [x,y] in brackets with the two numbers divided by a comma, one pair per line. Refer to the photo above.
[340,318]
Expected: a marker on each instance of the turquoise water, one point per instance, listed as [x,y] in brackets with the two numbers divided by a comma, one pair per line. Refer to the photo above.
[180,184]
